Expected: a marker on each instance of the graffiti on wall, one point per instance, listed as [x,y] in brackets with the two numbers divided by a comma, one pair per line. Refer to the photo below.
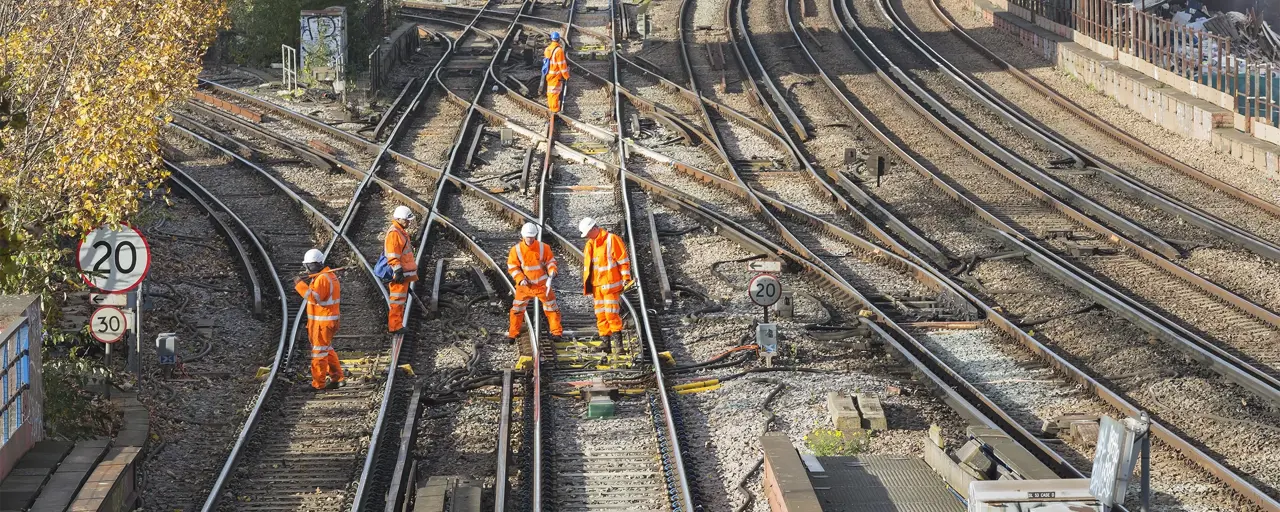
[323,48]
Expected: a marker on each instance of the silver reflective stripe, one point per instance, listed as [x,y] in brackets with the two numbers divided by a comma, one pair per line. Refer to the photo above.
[393,255]
[329,302]
[324,318]
[538,280]
[606,301]
[611,286]
[624,261]
[318,348]
[411,273]
[400,294]
[398,302]
[551,305]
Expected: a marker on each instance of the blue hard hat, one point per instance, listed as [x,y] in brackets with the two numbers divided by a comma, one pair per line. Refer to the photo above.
[555,36]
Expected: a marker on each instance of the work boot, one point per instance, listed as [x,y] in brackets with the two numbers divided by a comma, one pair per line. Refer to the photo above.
[332,385]
[556,338]
[510,340]
[605,342]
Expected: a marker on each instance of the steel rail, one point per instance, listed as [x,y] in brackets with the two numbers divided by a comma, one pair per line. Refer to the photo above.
[913,239]
[1076,374]
[1106,127]
[398,475]
[348,216]
[283,347]
[762,245]
[936,111]
[436,216]
[1217,359]
[221,225]
[216,492]
[1103,169]
[683,492]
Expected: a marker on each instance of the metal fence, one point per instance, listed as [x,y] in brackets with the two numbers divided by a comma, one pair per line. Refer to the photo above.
[1197,55]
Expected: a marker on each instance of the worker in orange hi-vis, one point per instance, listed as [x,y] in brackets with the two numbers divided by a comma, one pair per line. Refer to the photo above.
[322,295]
[606,271]
[555,71]
[532,266]
[405,267]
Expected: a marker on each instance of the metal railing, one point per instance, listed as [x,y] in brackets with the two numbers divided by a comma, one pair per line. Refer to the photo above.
[1194,54]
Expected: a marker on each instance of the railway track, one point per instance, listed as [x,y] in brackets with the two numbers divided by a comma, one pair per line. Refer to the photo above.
[974,245]
[1249,335]
[314,442]
[717,174]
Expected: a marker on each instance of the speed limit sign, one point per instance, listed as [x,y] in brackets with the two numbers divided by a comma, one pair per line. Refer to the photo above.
[764,290]
[114,261]
[108,324]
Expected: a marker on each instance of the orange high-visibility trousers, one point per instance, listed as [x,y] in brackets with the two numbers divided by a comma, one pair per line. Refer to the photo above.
[324,360]
[555,86]
[608,303]
[399,293]
[549,305]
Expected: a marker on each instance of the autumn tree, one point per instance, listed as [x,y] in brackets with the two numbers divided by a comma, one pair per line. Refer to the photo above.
[85,86]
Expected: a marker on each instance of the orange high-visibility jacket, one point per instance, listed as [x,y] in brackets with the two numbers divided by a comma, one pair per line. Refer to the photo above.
[531,262]
[322,297]
[399,253]
[558,66]
[605,261]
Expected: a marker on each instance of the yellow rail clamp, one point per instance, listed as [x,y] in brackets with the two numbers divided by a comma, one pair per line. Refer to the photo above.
[524,362]
[407,369]
[263,371]
[667,358]
[690,391]
[696,384]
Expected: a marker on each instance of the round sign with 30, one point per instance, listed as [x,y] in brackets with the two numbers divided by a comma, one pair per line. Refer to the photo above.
[108,324]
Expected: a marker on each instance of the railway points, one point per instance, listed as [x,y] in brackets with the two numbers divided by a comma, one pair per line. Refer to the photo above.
[969,267]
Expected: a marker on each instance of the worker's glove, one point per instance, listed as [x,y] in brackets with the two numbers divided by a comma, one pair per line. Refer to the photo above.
[297,279]
[550,277]
[397,276]
[523,282]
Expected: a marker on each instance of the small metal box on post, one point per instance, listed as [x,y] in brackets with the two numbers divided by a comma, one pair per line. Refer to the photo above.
[167,352]
[876,165]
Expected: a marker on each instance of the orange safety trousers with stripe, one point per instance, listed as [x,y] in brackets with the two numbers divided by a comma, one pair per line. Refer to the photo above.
[554,89]
[322,298]
[607,268]
[557,74]
[534,263]
[399,256]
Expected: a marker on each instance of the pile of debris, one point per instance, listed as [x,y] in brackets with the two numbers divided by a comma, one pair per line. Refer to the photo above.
[1251,36]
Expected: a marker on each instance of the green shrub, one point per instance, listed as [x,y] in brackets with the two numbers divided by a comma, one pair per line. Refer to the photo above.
[828,443]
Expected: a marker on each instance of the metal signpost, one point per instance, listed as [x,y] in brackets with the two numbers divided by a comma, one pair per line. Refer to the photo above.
[108,324]
[115,262]
[765,290]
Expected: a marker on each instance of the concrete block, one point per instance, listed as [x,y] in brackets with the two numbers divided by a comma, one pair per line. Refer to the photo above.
[844,415]
[465,499]
[873,417]
[1085,431]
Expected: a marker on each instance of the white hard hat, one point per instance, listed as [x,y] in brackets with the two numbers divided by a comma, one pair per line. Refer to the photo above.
[402,213]
[313,256]
[529,230]
[586,224]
